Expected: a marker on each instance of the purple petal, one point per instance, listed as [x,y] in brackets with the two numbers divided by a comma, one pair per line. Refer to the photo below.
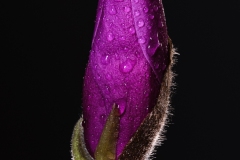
[126,66]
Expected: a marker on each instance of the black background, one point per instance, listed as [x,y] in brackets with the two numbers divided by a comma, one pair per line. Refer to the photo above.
[43,56]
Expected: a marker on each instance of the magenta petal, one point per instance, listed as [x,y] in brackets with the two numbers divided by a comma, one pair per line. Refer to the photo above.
[126,66]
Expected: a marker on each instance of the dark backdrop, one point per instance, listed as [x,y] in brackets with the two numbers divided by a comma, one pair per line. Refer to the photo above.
[43,56]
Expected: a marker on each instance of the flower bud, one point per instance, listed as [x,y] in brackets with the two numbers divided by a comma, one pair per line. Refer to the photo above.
[127,63]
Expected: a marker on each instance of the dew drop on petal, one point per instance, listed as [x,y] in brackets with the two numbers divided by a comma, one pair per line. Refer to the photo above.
[110,36]
[137,13]
[160,24]
[145,9]
[88,108]
[140,23]
[155,7]
[112,10]
[141,40]
[136,1]
[127,66]
[151,16]
[137,54]
[132,30]
[102,118]
[147,108]
[105,59]
[98,77]
[117,57]
[122,38]
[121,104]
[127,9]
[107,89]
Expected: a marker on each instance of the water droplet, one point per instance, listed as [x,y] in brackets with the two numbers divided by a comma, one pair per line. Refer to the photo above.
[88,108]
[136,1]
[137,13]
[147,108]
[145,9]
[127,9]
[137,54]
[105,59]
[102,118]
[151,16]
[122,38]
[155,7]
[132,30]
[144,93]
[141,40]
[121,104]
[107,89]
[116,56]
[160,24]
[127,66]
[149,46]
[140,23]
[112,10]
[98,77]
[110,36]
